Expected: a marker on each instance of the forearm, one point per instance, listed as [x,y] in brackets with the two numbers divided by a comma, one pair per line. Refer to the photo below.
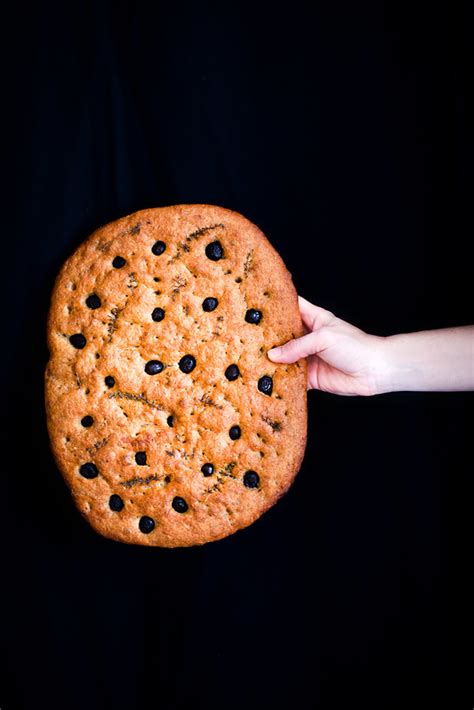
[428,361]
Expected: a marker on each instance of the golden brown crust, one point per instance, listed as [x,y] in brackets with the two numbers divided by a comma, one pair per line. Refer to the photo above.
[132,416]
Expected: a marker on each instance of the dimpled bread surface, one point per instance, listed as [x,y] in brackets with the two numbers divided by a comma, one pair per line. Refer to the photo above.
[166,418]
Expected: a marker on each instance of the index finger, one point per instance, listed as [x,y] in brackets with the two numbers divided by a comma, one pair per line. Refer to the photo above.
[314,316]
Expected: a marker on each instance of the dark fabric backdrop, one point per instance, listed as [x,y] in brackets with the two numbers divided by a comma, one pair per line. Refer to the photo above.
[341,129]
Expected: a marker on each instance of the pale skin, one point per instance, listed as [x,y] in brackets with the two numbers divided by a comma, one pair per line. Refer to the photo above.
[344,360]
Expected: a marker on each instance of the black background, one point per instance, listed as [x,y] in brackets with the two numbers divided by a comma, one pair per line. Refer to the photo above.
[341,129]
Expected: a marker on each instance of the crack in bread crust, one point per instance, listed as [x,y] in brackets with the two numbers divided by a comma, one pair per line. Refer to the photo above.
[135,398]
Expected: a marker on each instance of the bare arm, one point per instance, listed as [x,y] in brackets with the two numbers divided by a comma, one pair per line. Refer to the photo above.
[345,360]
[429,361]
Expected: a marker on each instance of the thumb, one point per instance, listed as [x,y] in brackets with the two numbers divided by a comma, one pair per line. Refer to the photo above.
[296,349]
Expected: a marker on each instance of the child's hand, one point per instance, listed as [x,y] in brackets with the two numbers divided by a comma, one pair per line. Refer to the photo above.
[342,359]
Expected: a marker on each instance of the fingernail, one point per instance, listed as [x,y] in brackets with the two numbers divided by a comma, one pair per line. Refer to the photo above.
[274,353]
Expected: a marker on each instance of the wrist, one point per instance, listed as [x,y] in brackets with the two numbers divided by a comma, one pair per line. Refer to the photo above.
[404,365]
[392,375]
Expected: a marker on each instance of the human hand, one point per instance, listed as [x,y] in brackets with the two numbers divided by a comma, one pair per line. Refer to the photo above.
[342,359]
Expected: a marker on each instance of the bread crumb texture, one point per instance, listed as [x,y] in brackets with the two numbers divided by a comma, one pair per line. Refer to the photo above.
[166,418]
